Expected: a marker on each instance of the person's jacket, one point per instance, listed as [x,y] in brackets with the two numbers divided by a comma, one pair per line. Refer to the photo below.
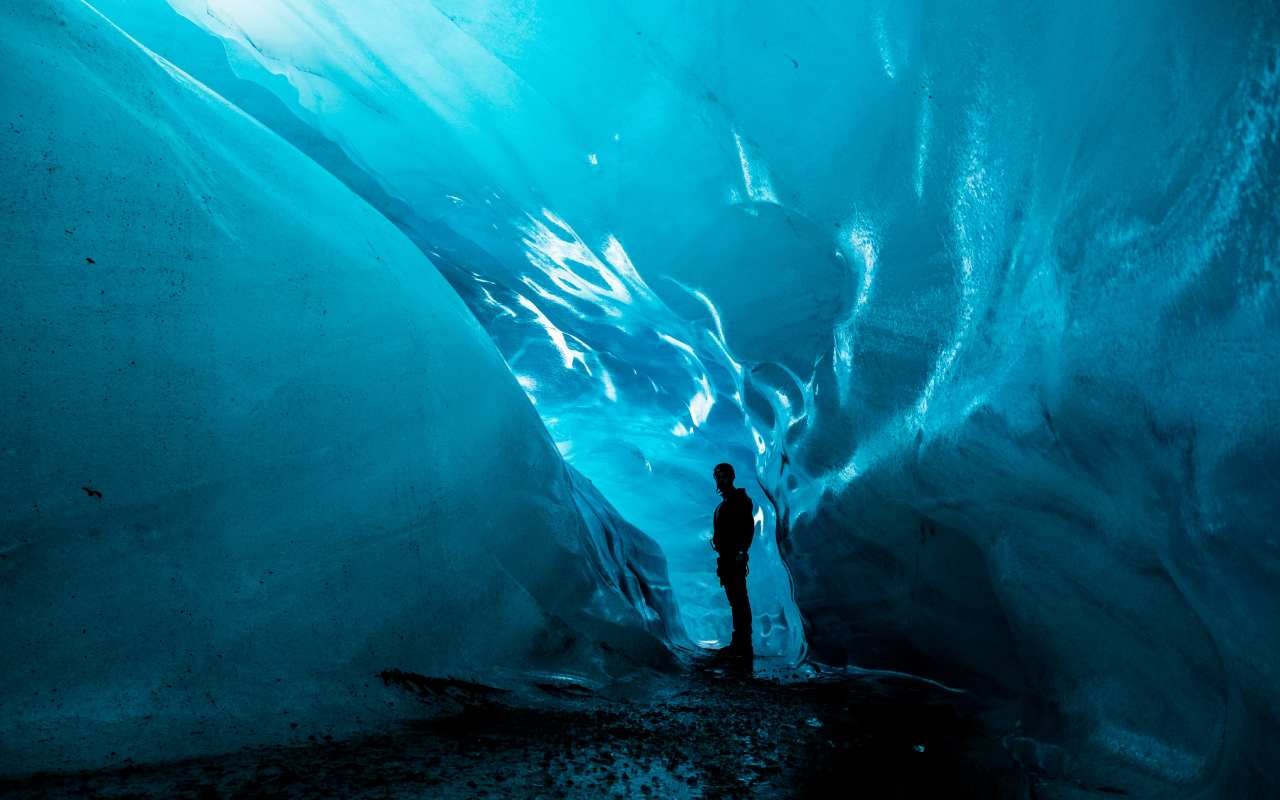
[733,527]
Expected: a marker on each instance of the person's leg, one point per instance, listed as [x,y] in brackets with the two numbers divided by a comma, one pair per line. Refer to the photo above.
[740,606]
[731,595]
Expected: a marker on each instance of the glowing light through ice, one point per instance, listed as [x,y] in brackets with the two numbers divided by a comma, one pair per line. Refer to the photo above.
[557,337]
[860,244]
[882,44]
[554,255]
[700,405]
[755,178]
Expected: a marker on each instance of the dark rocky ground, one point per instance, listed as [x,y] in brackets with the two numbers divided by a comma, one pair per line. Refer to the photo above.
[715,731]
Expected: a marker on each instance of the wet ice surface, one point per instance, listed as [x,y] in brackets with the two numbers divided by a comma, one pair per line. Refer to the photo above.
[713,730]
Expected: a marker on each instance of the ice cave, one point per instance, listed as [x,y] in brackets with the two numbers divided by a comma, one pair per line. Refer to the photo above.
[364,360]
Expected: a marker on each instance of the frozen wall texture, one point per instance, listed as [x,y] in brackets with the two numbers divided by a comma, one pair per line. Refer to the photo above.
[985,293]
[254,448]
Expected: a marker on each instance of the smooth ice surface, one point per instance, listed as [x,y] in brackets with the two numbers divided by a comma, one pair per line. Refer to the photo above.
[254,448]
[986,293]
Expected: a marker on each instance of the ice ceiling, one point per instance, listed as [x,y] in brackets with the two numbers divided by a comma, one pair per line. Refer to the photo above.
[983,295]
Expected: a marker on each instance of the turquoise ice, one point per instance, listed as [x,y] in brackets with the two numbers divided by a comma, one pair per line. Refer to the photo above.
[980,299]
[256,450]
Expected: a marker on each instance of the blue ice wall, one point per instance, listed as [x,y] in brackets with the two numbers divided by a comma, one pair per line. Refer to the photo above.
[634,381]
[255,449]
[986,292]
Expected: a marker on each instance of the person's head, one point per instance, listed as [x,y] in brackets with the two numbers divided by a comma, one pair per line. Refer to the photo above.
[723,473]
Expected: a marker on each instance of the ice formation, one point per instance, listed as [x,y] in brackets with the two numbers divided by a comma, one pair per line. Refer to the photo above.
[986,295]
[256,450]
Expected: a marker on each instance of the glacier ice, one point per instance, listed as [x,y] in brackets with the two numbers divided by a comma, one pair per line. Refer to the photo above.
[991,296]
[255,448]
[986,294]
[597,347]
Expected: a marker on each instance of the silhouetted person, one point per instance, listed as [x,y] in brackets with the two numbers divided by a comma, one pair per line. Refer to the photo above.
[734,526]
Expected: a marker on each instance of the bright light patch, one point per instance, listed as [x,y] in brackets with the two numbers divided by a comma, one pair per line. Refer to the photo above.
[674,342]
[556,256]
[567,353]
[546,295]
[610,391]
[719,336]
[863,243]
[700,405]
[755,178]
[490,300]
[882,43]
[859,242]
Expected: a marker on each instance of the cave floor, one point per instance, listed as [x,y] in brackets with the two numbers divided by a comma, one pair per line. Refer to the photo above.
[718,731]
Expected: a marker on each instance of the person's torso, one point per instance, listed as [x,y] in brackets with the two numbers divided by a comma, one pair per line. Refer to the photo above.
[732,524]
